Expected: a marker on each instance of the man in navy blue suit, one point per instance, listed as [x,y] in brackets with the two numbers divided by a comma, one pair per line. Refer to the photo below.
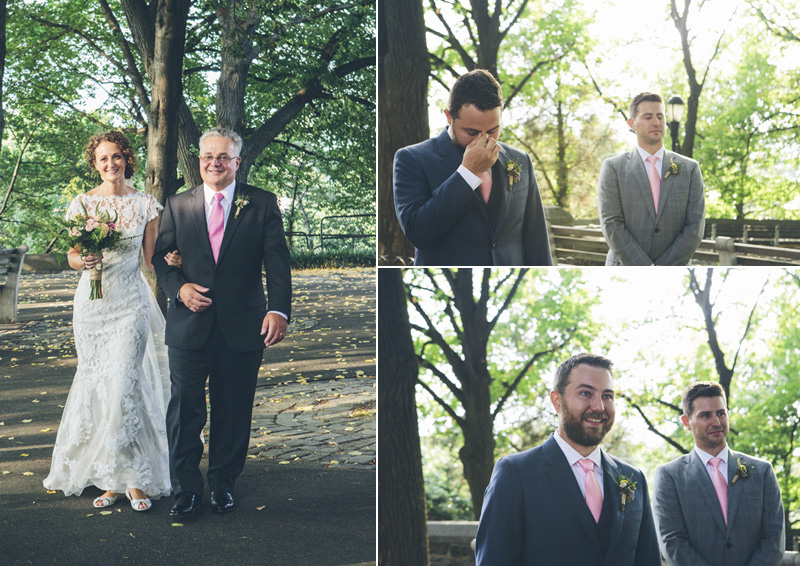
[463,197]
[567,502]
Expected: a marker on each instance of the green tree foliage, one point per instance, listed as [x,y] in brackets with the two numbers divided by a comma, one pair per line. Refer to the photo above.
[307,80]
[484,339]
[751,131]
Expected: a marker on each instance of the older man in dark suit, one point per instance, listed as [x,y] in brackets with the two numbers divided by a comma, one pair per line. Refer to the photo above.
[463,197]
[567,502]
[218,322]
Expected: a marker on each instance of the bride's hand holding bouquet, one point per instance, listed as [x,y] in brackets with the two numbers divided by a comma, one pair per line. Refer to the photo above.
[90,233]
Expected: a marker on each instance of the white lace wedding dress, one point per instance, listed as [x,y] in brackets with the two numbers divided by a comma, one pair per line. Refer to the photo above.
[113,433]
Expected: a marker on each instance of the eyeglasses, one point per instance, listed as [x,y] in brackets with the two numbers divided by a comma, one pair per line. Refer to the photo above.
[224,158]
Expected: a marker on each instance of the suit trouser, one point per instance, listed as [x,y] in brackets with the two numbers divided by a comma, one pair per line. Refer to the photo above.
[231,386]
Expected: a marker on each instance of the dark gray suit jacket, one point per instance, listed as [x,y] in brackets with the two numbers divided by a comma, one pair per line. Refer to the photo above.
[636,235]
[535,515]
[448,222]
[253,240]
[692,531]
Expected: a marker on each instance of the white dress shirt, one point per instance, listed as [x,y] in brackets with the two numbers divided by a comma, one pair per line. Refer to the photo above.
[572,458]
[659,159]
[471,178]
[705,457]
[226,202]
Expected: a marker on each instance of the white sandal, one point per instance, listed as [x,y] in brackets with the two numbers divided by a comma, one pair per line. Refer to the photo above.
[138,504]
[106,501]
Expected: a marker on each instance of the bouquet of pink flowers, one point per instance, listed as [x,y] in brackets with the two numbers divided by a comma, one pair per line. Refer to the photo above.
[93,232]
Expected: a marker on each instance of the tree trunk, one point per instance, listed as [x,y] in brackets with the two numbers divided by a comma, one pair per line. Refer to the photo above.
[562,169]
[477,454]
[489,38]
[402,528]
[237,54]
[162,130]
[402,106]
[3,15]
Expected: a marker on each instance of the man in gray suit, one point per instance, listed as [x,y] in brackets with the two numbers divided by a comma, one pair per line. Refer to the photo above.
[567,502]
[651,201]
[714,506]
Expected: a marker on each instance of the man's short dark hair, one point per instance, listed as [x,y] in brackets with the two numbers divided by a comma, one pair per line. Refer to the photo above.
[477,87]
[642,97]
[700,389]
[566,367]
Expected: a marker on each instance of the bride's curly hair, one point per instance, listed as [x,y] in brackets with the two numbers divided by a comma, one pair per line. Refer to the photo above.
[124,146]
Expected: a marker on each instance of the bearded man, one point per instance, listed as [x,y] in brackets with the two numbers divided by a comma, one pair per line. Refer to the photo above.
[568,502]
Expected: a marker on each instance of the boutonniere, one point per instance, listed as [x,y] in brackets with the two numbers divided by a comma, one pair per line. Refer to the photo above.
[742,470]
[627,489]
[240,202]
[674,168]
[513,169]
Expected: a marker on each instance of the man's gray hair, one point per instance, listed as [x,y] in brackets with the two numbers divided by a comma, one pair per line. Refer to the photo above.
[223,133]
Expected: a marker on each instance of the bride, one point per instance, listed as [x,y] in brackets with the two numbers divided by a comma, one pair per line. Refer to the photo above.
[112,433]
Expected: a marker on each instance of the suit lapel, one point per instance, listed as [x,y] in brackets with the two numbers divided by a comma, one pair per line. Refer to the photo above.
[233,222]
[697,473]
[666,184]
[734,491]
[561,475]
[641,184]
[198,207]
[618,516]
[501,174]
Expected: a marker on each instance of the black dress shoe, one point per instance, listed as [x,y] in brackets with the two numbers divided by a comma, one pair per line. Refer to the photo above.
[222,502]
[187,505]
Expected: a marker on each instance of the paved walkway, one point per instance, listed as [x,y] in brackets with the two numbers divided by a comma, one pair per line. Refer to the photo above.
[307,495]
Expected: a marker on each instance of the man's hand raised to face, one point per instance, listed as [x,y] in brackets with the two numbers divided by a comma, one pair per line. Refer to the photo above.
[480,155]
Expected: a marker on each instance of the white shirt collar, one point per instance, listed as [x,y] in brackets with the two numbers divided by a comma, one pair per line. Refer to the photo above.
[573,455]
[644,154]
[227,192]
[705,456]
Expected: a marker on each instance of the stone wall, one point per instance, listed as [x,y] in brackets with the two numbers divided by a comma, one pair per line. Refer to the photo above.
[450,544]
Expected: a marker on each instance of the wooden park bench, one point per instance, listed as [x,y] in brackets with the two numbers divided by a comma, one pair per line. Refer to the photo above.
[585,245]
[10,269]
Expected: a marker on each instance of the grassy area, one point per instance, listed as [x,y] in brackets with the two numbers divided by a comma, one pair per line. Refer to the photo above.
[333,259]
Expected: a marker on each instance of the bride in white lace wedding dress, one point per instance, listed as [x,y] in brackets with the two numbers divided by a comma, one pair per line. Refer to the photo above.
[112,433]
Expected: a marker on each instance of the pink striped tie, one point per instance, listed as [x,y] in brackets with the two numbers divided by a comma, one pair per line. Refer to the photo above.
[486,185]
[216,224]
[594,499]
[721,486]
[655,180]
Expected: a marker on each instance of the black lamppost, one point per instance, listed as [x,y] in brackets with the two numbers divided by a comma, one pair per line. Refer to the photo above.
[675,107]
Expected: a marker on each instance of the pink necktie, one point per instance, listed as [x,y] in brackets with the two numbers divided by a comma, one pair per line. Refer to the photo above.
[721,486]
[594,499]
[486,185]
[655,180]
[216,224]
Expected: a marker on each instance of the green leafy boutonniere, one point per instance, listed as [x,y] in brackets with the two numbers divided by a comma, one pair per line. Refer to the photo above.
[627,489]
[674,168]
[513,169]
[742,470]
[240,202]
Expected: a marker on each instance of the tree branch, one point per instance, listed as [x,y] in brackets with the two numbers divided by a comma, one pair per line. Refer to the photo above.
[441,402]
[524,370]
[651,427]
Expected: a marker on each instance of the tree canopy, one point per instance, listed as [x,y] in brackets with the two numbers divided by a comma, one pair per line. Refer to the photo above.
[295,79]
